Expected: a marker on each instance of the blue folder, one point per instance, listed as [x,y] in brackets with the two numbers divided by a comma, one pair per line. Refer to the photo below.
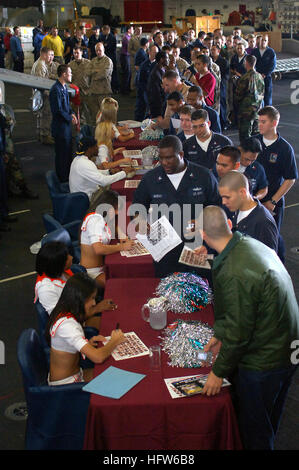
[113,382]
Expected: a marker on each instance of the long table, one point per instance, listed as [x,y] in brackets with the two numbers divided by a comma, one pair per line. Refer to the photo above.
[147,418]
[135,143]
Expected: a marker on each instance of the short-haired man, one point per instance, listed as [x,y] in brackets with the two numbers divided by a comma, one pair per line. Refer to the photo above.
[196,99]
[133,46]
[182,64]
[249,95]
[223,65]
[256,324]
[100,71]
[238,32]
[205,145]
[175,102]
[81,78]
[62,120]
[110,44]
[155,92]
[185,48]
[228,159]
[205,78]
[143,75]
[279,162]
[249,215]
[53,41]
[265,65]
[251,168]
[17,50]
[185,114]
[93,40]
[175,181]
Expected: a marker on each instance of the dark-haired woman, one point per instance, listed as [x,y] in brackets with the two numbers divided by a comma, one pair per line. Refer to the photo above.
[53,266]
[96,235]
[65,333]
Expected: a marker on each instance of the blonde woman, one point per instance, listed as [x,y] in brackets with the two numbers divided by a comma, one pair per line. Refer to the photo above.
[108,113]
[104,135]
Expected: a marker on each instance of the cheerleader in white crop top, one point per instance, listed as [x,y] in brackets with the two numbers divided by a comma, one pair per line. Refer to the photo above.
[65,332]
[96,237]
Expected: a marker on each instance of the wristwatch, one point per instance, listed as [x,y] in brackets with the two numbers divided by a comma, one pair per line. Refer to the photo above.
[273,202]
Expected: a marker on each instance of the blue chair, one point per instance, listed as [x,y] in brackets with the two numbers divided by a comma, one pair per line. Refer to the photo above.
[67,206]
[56,414]
[52,224]
[62,235]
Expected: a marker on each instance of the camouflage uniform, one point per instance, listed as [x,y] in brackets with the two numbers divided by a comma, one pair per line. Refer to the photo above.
[215,70]
[44,116]
[100,72]
[133,46]
[248,98]
[182,65]
[81,78]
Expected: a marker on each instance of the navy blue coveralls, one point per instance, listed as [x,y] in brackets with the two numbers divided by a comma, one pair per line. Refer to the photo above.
[259,224]
[194,153]
[265,65]
[198,186]
[61,128]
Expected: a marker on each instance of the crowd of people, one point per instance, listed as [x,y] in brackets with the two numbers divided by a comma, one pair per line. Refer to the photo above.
[193,89]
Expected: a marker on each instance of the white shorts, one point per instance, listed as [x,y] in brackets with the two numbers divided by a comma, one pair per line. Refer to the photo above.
[95,272]
[68,380]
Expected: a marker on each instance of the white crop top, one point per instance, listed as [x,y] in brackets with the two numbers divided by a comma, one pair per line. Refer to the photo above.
[67,335]
[95,230]
[48,291]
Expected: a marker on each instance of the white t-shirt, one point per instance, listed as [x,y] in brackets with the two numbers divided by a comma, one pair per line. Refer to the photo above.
[48,292]
[204,145]
[67,335]
[95,230]
[188,135]
[242,168]
[103,154]
[268,142]
[243,214]
[176,178]
[85,176]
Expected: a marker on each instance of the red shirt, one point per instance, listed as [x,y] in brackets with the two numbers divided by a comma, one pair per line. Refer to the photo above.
[207,83]
[7,41]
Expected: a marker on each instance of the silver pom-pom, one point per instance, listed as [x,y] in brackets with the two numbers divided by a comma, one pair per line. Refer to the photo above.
[184,341]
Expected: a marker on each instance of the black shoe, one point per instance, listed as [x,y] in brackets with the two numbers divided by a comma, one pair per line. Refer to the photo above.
[4,227]
[28,194]
[9,218]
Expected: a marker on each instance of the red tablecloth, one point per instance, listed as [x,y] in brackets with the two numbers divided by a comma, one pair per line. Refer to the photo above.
[135,143]
[118,266]
[147,418]
[119,187]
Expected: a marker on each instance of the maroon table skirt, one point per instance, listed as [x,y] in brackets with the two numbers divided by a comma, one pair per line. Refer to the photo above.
[118,266]
[135,143]
[146,417]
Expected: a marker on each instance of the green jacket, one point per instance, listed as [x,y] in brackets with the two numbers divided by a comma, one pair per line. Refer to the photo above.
[256,312]
[249,93]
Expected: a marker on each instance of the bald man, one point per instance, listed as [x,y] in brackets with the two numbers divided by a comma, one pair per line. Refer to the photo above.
[249,216]
[256,325]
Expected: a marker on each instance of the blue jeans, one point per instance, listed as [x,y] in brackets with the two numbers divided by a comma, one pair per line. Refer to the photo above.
[260,401]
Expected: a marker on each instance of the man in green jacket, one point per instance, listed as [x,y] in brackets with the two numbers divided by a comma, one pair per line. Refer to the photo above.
[256,328]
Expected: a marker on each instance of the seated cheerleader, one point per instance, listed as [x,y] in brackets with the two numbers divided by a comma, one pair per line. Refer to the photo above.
[104,135]
[96,235]
[108,112]
[65,334]
[53,267]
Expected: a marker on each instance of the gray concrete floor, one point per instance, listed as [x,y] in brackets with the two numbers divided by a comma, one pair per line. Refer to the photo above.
[16,296]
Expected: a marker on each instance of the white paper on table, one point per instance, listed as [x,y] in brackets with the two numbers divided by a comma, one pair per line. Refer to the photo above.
[132,347]
[176,123]
[174,393]
[162,238]
[190,258]
[132,183]
[137,250]
[132,153]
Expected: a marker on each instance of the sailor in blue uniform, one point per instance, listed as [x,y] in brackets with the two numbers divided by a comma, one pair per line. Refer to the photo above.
[62,119]
[252,169]
[205,145]
[176,182]
[265,65]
